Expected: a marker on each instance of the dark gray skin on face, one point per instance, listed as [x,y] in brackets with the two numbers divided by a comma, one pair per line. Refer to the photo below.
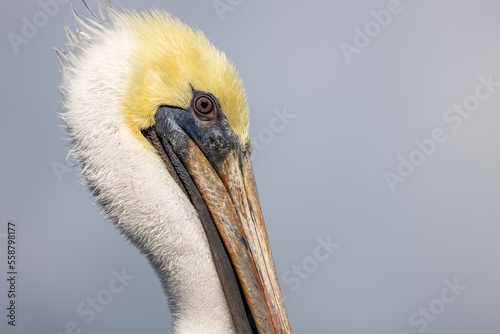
[173,128]
[210,131]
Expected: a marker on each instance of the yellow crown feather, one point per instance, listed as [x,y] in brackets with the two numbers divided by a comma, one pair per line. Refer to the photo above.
[170,58]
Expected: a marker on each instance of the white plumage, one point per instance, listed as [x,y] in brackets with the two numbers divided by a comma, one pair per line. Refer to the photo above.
[164,226]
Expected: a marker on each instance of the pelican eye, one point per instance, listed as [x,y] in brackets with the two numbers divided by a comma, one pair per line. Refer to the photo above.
[204,105]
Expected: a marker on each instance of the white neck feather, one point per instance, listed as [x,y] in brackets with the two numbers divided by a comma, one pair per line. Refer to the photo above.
[132,183]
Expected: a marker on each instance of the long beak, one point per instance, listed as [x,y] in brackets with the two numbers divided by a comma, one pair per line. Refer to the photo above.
[227,187]
[230,194]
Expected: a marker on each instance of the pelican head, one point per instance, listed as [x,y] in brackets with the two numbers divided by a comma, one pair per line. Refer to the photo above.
[158,119]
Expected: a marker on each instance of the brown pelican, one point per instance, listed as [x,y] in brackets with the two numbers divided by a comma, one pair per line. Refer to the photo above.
[158,119]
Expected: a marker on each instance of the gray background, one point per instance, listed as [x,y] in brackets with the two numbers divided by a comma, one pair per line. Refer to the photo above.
[320,176]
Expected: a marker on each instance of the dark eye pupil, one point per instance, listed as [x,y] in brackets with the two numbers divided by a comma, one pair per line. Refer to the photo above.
[204,105]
